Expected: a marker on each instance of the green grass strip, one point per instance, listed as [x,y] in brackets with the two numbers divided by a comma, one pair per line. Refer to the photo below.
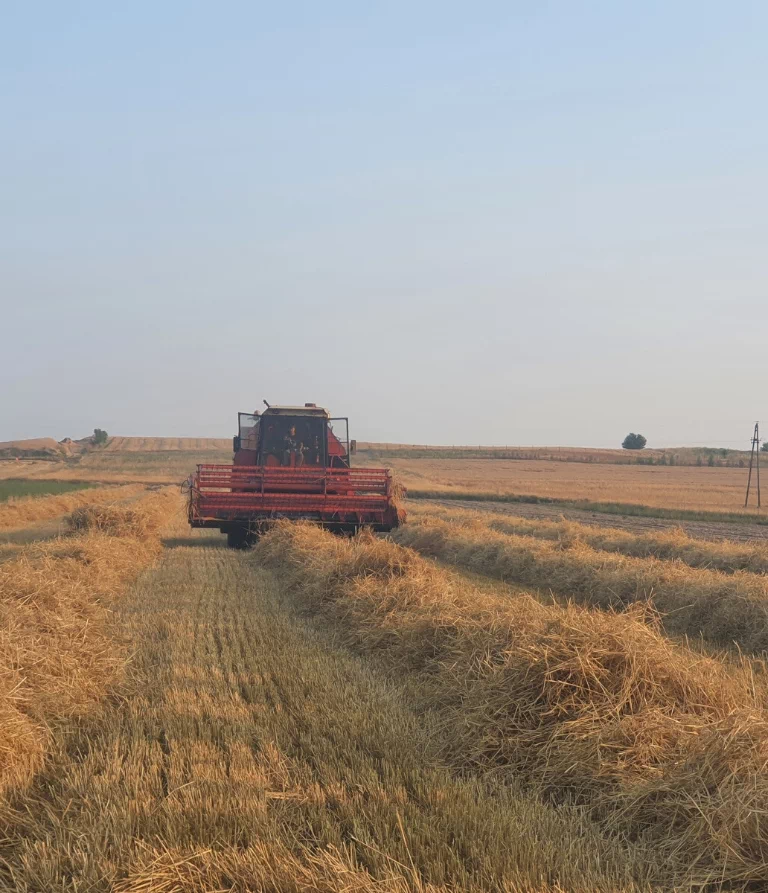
[18,487]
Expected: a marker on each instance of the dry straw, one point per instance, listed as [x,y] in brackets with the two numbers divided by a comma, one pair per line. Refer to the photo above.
[139,522]
[724,609]
[56,654]
[18,512]
[268,868]
[659,744]
[669,545]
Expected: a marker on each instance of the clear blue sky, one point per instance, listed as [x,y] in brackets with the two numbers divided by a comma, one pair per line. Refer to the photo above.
[507,222]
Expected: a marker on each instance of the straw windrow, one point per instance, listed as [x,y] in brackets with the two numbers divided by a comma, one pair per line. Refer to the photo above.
[724,609]
[666,544]
[658,743]
[56,656]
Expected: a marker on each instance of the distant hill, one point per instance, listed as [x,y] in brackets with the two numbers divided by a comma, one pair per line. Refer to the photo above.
[34,448]
[165,444]
[143,453]
[379,452]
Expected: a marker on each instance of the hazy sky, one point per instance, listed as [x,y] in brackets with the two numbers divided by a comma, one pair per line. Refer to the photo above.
[512,222]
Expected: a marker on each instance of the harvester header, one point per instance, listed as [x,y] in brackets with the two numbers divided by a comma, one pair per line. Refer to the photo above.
[291,462]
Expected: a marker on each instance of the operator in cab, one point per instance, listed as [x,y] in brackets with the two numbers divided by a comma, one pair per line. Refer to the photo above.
[292,448]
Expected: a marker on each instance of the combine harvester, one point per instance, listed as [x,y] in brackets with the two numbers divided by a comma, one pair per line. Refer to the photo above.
[289,463]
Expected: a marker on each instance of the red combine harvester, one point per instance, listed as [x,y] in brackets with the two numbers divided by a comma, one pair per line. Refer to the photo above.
[290,463]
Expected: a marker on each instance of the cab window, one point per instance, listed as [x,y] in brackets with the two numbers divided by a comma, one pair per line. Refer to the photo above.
[248,430]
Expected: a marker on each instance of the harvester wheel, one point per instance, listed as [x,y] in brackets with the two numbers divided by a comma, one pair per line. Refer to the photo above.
[239,538]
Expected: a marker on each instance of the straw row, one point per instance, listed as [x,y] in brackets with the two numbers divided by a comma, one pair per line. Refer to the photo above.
[659,744]
[57,656]
[666,544]
[724,609]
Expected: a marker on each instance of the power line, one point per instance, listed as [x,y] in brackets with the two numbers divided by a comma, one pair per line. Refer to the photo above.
[754,455]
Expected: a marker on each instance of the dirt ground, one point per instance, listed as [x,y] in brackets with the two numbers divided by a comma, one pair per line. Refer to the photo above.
[710,530]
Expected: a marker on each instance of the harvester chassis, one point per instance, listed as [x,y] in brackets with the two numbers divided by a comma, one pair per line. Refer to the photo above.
[244,501]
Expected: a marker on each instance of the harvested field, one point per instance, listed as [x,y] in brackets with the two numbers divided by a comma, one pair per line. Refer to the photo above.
[45,447]
[167,444]
[725,609]
[159,460]
[659,744]
[56,658]
[148,466]
[708,527]
[671,542]
[248,751]
[676,489]
[337,715]
[679,493]
[384,452]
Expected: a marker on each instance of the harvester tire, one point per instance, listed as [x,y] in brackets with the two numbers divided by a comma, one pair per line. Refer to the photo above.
[239,538]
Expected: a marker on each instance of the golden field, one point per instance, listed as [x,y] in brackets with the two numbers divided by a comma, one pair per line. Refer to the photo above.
[593,475]
[56,657]
[671,572]
[657,743]
[687,488]
[480,701]
[115,466]
[17,512]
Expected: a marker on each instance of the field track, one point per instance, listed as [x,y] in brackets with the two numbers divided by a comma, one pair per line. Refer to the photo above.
[248,752]
[739,531]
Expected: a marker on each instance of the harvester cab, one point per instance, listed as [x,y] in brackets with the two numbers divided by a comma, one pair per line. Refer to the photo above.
[291,462]
[292,437]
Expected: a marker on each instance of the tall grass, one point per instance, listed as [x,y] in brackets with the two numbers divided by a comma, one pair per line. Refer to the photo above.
[724,609]
[56,655]
[659,744]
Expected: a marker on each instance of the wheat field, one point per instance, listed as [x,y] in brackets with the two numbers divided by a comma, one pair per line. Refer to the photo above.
[479,702]
[249,751]
[726,607]
[677,488]
[684,488]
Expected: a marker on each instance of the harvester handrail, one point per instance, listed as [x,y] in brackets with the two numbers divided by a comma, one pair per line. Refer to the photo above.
[253,477]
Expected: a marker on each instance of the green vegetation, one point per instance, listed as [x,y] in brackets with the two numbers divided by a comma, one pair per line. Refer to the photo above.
[100,436]
[16,488]
[634,442]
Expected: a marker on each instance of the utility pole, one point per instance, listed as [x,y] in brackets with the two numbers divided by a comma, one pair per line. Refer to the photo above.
[754,456]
